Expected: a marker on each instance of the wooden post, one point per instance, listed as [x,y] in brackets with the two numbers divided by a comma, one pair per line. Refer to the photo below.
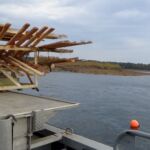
[36,62]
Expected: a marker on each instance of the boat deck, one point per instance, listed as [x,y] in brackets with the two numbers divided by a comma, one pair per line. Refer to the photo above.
[22,104]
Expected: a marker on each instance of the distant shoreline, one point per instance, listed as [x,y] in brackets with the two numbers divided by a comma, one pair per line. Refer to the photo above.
[124,72]
[99,68]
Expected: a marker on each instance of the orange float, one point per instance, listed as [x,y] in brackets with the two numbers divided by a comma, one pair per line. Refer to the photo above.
[134,124]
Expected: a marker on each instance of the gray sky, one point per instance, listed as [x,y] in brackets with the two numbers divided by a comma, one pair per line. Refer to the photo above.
[119,29]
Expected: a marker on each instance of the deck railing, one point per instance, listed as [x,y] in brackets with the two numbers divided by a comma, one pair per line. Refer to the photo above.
[127,138]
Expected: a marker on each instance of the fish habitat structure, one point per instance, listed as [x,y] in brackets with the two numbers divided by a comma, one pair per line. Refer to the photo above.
[21,54]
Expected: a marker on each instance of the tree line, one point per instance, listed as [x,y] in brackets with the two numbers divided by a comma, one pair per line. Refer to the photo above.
[138,66]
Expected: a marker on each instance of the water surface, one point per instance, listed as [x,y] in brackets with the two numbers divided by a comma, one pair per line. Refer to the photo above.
[107,103]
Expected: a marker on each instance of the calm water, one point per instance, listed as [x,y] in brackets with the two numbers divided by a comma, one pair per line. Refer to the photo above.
[108,103]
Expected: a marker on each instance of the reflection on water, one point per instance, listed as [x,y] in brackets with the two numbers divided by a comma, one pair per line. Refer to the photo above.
[108,103]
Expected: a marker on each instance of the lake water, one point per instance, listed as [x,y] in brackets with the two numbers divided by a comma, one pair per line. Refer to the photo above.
[107,103]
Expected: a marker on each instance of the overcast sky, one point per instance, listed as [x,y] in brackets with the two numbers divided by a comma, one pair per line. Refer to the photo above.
[119,29]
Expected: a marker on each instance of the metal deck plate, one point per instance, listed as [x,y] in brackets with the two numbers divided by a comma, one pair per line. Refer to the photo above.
[22,104]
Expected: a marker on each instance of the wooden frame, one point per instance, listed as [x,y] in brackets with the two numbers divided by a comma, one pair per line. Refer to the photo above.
[20,44]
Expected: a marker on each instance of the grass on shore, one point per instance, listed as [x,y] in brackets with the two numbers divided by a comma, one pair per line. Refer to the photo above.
[95,67]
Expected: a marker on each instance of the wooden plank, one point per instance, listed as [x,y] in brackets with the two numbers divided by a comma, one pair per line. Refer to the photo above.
[4,30]
[35,36]
[27,36]
[11,32]
[27,66]
[56,50]
[1,27]
[55,45]
[63,44]
[15,48]
[32,39]
[55,36]
[18,34]
[10,78]
[13,70]
[21,67]
[4,81]
[38,40]
[27,86]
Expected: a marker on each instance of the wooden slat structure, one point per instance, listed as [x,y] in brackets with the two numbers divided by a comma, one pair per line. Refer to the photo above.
[16,52]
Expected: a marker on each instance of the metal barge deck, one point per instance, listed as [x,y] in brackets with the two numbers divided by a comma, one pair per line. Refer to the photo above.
[22,104]
[23,125]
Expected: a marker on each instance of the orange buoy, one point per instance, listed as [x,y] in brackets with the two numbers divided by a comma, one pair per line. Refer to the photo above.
[134,124]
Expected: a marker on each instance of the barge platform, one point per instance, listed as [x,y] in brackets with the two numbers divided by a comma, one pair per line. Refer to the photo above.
[24,125]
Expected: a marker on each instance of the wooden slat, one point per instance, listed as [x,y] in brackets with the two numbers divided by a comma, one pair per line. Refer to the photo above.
[21,67]
[27,66]
[15,48]
[12,69]
[56,36]
[4,30]
[26,36]
[38,40]
[11,32]
[56,50]
[1,27]
[54,45]
[38,34]
[27,86]
[10,78]
[32,39]
[63,44]
[18,34]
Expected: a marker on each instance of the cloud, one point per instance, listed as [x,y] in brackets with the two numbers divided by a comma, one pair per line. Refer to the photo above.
[45,9]
[137,43]
[130,13]
[120,30]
